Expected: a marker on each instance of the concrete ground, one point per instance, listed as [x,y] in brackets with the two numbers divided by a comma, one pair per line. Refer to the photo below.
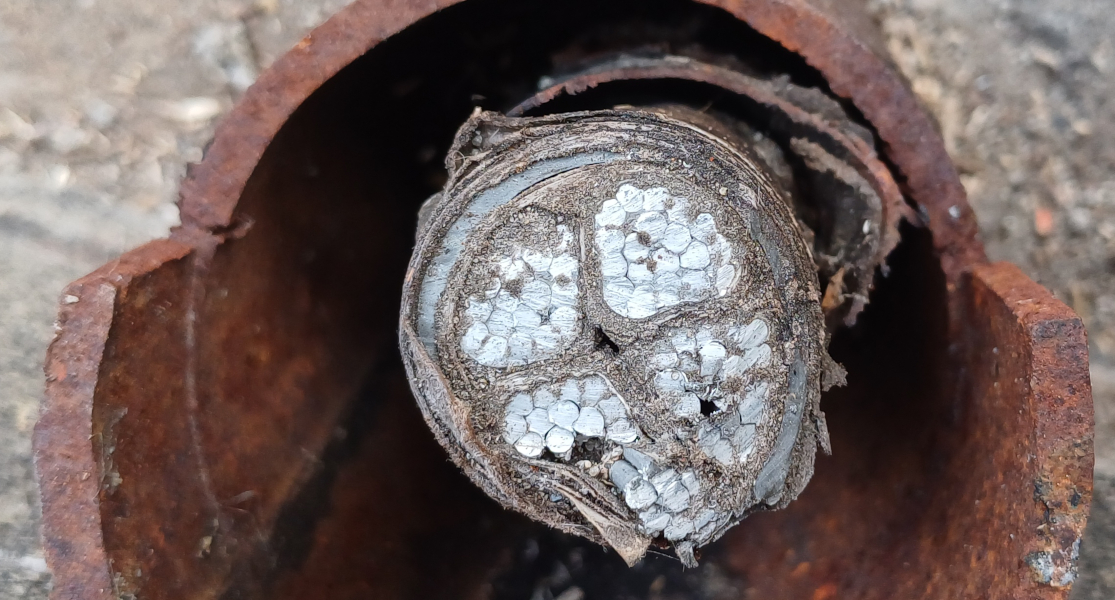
[104,102]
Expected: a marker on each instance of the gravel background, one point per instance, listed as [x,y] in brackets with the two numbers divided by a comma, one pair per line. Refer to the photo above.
[104,102]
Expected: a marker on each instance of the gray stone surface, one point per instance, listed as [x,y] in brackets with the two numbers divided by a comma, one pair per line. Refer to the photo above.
[104,102]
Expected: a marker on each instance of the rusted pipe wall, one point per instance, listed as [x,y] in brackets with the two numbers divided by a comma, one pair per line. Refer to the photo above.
[201,390]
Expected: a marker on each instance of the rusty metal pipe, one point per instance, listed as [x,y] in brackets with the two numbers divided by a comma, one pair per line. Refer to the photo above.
[226,416]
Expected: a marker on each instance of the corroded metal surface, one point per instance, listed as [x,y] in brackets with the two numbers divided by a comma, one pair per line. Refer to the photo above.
[71,477]
[1051,451]
[199,388]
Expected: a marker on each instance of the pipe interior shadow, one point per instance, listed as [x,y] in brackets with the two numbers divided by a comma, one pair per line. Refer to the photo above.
[386,514]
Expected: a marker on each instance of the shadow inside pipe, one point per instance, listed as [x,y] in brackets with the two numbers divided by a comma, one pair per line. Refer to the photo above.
[384,514]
